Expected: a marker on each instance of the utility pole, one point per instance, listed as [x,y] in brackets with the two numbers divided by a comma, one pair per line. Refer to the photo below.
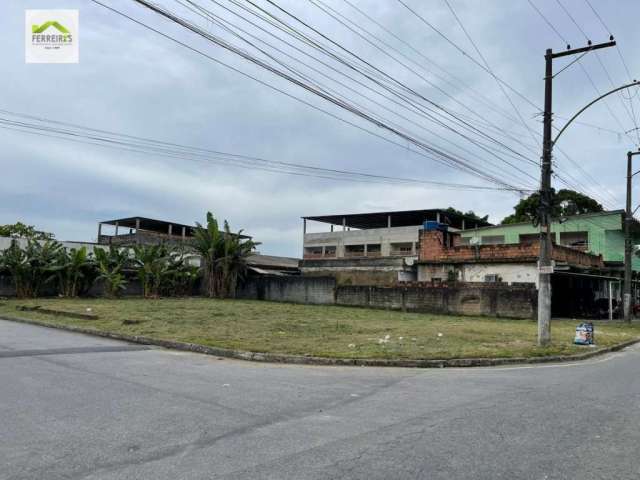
[628,254]
[545,268]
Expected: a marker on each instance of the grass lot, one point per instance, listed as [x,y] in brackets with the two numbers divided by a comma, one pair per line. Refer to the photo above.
[328,331]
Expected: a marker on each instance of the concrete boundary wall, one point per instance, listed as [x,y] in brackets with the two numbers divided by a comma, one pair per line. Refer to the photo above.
[464,299]
[461,299]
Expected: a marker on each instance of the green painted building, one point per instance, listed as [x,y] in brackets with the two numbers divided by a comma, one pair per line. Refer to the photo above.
[597,233]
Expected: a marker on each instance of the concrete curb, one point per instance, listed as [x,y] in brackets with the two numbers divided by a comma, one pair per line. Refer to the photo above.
[308,360]
[58,313]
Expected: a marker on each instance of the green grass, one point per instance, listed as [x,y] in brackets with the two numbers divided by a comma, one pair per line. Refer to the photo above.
[327,331]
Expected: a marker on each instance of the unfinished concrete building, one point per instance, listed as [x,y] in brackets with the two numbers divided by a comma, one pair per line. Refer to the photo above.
[372,248]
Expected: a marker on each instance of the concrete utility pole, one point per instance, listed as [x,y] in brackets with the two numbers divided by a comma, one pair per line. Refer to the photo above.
[628,254]
[545,268]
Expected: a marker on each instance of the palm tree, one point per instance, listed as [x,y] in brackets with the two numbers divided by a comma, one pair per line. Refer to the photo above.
[224,256]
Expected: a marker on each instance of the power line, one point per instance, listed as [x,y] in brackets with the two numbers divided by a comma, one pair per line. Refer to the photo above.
[246,34]
[467,55]
[387,76]
[303,80]
[105,138]
[624,64]
[421,152]
[487,67]
[486,64]
[334,14]
[631,117]
[476,93]
[584,70]
[441,156]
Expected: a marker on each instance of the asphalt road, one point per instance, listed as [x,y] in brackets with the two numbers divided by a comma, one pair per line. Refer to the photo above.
[78,407]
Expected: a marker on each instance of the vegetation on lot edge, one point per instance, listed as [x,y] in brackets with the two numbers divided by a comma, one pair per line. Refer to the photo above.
[163,270]
[316,330]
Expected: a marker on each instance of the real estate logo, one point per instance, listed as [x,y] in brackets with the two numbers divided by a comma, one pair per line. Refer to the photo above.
[51,36]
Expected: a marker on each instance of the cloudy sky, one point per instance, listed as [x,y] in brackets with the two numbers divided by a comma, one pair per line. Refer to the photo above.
[133,81]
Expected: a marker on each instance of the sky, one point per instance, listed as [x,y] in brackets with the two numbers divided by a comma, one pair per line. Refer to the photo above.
[134,81]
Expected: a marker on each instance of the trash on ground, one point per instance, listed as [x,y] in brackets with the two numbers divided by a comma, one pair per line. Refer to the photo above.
[584,334]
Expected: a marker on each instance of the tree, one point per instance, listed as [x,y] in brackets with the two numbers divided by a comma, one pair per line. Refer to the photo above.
[564,203]
[111,264]
[224,255]
[470,213]
[30,267]
[75,270]
[20,230]
[151,262]
[181,275]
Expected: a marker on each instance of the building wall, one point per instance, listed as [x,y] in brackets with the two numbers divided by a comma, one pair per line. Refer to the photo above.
[605,234]
[383,236]
[360,271]
[476,272]
[5,242]
[441,247]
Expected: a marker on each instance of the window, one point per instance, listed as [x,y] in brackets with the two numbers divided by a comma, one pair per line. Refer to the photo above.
[313,252]
[330,251]
[402,249]
[529,238]
[373,250]
[578,240]
[354,251]
[493,240]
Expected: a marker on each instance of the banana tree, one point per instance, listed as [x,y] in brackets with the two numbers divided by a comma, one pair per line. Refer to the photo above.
[224,256]
[233,264]
[75,271]
[30,267]
[151,262]
[111,264]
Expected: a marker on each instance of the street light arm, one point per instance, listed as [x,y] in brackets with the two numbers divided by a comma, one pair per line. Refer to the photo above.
[629,85]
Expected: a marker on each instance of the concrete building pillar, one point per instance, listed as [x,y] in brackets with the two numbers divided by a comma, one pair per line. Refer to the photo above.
[385,248]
